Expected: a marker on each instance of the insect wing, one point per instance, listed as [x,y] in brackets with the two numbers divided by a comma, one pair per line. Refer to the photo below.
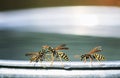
[61,47]
[96,49]
[31,54]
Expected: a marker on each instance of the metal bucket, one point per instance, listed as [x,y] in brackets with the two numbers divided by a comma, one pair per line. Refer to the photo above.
[25,69]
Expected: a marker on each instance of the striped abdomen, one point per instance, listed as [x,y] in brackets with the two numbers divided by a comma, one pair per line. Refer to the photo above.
[98,57]
[63,56]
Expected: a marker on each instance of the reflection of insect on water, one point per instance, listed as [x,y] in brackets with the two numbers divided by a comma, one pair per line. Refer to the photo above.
[54,52]
[93,55]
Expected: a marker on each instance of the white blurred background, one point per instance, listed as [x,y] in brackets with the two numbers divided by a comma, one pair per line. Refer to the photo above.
[78,20]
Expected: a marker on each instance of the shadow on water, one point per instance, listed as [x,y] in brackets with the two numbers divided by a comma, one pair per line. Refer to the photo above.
[14,45]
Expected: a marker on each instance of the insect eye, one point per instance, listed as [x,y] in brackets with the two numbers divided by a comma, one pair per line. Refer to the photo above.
[82,56]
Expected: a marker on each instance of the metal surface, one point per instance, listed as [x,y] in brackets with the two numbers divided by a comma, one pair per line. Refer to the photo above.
[26,69]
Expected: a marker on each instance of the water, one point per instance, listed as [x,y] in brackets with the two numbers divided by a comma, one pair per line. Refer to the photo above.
[14,45]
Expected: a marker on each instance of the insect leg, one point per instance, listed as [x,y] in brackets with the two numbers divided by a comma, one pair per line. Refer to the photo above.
[61,60]
[98,60]
[90,59]
[47,58]
[52,59]
[85,59]
[41,64]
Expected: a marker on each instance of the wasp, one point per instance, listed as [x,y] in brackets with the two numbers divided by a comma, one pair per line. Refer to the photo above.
[54,52]
[93,55]
[37,56]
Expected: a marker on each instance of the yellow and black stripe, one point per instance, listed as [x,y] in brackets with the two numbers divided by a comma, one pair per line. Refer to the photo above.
[63,56]
[98,57]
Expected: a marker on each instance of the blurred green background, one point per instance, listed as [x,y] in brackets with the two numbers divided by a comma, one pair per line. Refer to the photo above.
[14,43]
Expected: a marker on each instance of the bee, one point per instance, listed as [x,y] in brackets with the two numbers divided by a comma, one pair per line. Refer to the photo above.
[93,55]
[54,52]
